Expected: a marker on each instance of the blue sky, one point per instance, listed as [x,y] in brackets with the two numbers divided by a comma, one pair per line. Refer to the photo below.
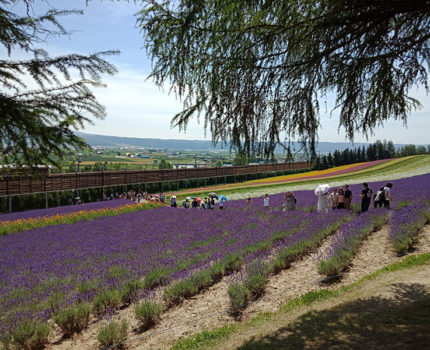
[137,108]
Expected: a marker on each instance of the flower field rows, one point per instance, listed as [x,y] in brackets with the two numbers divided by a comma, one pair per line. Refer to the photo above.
[392,169]
[97,265]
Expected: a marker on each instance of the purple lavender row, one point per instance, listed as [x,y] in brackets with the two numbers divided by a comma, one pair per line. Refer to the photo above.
[406,223]
[347,241]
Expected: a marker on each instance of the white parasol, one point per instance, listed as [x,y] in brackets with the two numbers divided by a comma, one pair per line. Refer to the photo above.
[322,189]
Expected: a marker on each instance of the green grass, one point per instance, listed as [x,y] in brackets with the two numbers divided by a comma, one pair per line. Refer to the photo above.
[211,337]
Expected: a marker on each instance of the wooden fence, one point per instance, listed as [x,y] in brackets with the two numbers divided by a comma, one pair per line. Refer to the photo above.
[20,184]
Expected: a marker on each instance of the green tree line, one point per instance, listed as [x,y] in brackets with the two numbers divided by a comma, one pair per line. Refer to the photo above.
[374,151]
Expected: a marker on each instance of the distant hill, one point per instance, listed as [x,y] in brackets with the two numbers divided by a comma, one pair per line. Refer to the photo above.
[193,145]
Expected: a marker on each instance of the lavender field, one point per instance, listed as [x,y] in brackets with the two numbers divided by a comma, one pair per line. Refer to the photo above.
[48,269]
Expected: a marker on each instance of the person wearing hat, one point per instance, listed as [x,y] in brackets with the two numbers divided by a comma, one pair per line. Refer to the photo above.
[173,202]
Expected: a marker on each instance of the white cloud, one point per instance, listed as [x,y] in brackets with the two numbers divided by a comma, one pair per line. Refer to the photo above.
[136,107]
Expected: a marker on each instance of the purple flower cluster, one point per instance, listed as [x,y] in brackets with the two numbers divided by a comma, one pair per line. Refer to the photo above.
[36,213]
[51,264]
[348,239]
[406,223]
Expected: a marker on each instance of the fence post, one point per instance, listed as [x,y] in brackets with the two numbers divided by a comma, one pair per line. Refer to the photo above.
[46,200]
[10,204]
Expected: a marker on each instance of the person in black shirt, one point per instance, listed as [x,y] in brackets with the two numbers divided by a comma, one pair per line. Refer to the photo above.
[347,197]
[366,195]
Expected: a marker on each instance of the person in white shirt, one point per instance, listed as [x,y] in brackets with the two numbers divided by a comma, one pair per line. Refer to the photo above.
[266,201]
[387,191]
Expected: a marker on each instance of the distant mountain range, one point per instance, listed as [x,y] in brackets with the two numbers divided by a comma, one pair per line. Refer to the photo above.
[193,145]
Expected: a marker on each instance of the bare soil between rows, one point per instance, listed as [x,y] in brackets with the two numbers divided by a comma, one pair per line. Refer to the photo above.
[208,309]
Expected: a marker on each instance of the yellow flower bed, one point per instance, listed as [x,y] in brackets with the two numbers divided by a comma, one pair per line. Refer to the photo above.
[7,227]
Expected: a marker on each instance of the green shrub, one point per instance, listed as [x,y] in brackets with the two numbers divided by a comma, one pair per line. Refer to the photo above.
[216,271]
[112,335]
[239,296]
[31,335]
[108,299]
[277,265]
[154,278]
[148,313]
[256,279]
[73,319]
[179,290]
[87,286]
[203,279]
[129,291]
[232,262]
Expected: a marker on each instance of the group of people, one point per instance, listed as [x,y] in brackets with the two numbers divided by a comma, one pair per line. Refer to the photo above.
[339,198]
[138,197]
[198,203]
[342,198]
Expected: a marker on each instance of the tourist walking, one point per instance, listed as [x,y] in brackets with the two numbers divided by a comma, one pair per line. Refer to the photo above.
[347,197]
[366,196]
[387,193]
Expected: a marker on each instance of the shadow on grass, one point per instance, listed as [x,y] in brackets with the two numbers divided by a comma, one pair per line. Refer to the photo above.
[401,321]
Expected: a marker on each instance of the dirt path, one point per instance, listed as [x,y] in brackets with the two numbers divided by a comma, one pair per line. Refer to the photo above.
[389,312]
[302,277]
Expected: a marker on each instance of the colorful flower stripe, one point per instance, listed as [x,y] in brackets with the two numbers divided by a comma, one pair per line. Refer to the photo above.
[327,173]
[340,170]
[8,227]
[63,209]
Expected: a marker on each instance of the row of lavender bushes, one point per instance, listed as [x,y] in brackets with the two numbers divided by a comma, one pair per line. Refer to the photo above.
[251,282]
[101,262]
[406,223]
[347,241]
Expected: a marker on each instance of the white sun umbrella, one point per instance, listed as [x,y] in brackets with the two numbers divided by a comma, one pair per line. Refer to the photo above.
[322,189]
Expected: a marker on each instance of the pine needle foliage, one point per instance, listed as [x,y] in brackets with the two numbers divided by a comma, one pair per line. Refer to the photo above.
[257,70]
[43,99]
